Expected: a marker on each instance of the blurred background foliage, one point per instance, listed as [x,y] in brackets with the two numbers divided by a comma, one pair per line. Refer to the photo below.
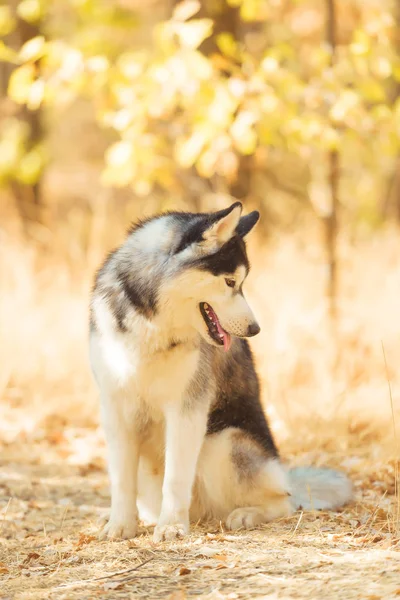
[114,109]
[289,105]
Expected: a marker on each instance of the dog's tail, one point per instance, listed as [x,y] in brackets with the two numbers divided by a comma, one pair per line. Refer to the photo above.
[319,488]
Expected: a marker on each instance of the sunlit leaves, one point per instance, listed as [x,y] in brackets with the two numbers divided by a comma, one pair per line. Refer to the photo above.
[20,83]
[191,34]
[7,54]
[173,108]
[361,43]
[33,49]
[31,165]
[243,133]
[12,141]
[254,10]
[251,10]
[171,35]
[7,21]
[346,101]
[31,11]
[189,149]
[228,45]
[396,115]
[17,159]
[186,10]
[121,167]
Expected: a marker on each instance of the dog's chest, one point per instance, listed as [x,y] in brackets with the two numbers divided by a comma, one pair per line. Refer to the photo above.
[125,369]
[165,376]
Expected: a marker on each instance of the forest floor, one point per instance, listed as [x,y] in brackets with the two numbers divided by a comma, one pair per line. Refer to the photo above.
[334,404]
[51,500]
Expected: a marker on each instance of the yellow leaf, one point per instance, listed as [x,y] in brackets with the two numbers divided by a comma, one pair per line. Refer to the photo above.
[121,165]
[206,163]
[246,143]
[381,66]
[243,133]
[30,10]
[7,21]
[254,10]
[30,166]
[188,150]
[20,83]
[228,165]
[199,65]
[97,64]
[33,49]
[227,44]
[36,94]
[222,107]
[193,33]
[361,43]
[130,64]
[270,64]
[7,54]
[396,115]
[119,154]
[142,187]
[372,90]
[331,138]
[185,10]
[346,102]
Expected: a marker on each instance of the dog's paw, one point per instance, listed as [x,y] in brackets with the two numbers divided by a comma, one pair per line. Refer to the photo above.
[246,518]
[168,533]
[103,519]
[115,530]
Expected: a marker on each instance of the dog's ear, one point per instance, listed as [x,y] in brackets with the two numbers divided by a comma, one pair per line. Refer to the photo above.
[247,223]
[224,225]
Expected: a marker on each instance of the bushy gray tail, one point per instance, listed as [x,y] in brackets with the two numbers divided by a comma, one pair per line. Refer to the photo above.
[319,489]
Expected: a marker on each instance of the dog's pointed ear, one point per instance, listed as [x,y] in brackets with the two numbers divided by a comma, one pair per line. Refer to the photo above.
[224,225]
[247,223]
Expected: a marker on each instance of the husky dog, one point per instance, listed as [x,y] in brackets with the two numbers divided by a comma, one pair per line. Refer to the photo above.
[180,400]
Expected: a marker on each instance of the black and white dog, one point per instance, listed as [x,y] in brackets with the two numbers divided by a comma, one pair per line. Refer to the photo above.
[180,401]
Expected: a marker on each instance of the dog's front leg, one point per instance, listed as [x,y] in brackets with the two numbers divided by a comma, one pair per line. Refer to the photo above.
[185,431]
[123,458]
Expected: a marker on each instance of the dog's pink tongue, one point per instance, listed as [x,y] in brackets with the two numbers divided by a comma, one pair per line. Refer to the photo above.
[227,341]
[226,336]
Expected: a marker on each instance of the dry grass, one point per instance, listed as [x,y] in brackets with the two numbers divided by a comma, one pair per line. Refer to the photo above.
[328,402]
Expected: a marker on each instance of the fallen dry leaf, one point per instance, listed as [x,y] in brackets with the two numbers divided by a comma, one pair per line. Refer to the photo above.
[208,552]
[177,595]
[113,585]
[84,540]
[31,556]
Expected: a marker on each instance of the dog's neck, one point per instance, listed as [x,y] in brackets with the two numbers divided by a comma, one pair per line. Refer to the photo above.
[160,335]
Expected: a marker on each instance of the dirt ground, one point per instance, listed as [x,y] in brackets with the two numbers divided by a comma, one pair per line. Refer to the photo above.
[325,408]
[54,488]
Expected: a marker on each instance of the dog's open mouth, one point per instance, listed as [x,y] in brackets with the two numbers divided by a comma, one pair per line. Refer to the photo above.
[216,331]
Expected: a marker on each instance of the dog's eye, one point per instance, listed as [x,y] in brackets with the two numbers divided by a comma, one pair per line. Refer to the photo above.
[230,282]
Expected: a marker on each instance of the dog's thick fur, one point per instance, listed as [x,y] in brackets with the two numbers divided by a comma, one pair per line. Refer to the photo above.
[187,437]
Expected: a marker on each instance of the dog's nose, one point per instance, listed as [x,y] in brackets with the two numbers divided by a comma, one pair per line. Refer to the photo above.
[253,329]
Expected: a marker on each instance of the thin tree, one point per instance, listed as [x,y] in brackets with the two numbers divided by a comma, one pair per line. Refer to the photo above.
[332,223]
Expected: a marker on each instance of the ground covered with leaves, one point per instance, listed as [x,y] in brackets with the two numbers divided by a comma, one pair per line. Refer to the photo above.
[54,489]
[328,404]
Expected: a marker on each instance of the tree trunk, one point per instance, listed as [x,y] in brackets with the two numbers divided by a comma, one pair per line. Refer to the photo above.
[28,197]
[334,177]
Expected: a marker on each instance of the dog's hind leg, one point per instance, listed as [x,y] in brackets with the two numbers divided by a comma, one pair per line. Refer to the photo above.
[239,483]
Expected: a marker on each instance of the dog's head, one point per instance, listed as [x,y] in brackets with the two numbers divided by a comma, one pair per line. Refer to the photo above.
[211,266]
